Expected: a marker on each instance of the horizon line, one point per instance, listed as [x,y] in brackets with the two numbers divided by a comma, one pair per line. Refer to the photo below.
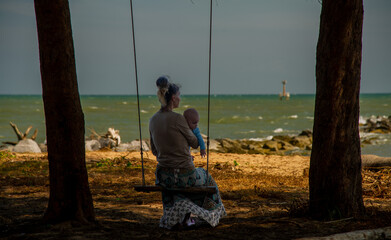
[218,94]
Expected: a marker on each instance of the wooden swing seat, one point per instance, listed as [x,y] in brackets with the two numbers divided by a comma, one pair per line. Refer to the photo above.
[157,188]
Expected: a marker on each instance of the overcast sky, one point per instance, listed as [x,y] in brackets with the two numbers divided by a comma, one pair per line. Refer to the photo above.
[255,45]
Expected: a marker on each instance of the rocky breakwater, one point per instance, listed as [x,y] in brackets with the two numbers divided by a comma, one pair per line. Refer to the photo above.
[282,145]
[375,130]
[372,131]
[380,124]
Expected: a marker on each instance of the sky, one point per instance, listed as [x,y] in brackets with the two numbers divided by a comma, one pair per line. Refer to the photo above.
[255,46]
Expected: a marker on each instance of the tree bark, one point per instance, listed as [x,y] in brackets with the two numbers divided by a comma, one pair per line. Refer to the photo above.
[70,196]
[335,166]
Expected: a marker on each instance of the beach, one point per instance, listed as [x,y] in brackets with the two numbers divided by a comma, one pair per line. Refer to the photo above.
[265,194]
[266,197]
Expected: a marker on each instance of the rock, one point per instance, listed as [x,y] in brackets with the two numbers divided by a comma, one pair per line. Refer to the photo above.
[378,125]
[385,124]
[230,146]
[132,146]
[306,133]
[379,130]
[308,147]
[286,146]
[284,138]
[271,145]
[214,145]
[7,147]
[43,147]
[123,147]
[369,138]
[27,145]
[301,141]
[92,145]
[289,143]
[107,143]
[253,147]
[279,144]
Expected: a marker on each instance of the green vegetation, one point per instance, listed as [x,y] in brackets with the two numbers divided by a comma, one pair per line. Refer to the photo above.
[6,155]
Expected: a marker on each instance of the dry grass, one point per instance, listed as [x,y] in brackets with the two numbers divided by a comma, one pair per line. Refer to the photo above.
[256,192]
[377,182]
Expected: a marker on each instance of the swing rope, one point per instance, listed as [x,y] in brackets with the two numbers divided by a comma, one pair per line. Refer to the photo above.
[210,64]
[138,98]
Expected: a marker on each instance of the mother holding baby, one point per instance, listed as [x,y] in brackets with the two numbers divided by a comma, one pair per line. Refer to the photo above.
[171,139]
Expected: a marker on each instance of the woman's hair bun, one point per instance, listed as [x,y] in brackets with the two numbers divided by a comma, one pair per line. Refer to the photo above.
[162,82]
[163,85]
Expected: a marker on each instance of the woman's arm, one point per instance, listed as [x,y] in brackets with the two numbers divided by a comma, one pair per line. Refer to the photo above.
[186,131]
[153,148]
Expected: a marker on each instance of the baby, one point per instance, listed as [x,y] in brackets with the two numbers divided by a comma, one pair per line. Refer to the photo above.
[192,118]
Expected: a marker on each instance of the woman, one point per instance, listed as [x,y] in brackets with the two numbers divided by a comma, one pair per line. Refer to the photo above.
[170,139]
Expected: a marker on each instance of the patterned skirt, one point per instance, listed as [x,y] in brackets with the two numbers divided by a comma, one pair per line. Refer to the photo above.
[176,206]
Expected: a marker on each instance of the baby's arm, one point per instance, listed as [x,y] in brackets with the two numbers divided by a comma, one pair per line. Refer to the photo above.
[201,142]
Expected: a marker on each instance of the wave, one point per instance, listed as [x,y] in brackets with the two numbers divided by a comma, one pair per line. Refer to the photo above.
[220,120]
[293,117]
[250,131]
[278,130]
[261,139]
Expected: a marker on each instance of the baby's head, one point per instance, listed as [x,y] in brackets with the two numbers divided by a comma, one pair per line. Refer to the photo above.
[192,117]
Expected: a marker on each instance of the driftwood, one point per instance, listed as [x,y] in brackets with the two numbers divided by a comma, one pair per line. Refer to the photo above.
[373,161]
[370,234]
[94,134]
[24,135]
[111,134]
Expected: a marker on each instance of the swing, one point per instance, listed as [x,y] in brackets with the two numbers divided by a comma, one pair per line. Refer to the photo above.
[157,188]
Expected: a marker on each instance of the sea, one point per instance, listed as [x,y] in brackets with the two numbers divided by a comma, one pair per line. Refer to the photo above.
[256,117]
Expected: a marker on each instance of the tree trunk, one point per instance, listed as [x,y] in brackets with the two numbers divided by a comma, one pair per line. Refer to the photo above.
[70,196]
[335,166]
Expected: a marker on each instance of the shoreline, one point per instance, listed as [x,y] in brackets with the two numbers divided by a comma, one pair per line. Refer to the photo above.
[375,131]
[280,145]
